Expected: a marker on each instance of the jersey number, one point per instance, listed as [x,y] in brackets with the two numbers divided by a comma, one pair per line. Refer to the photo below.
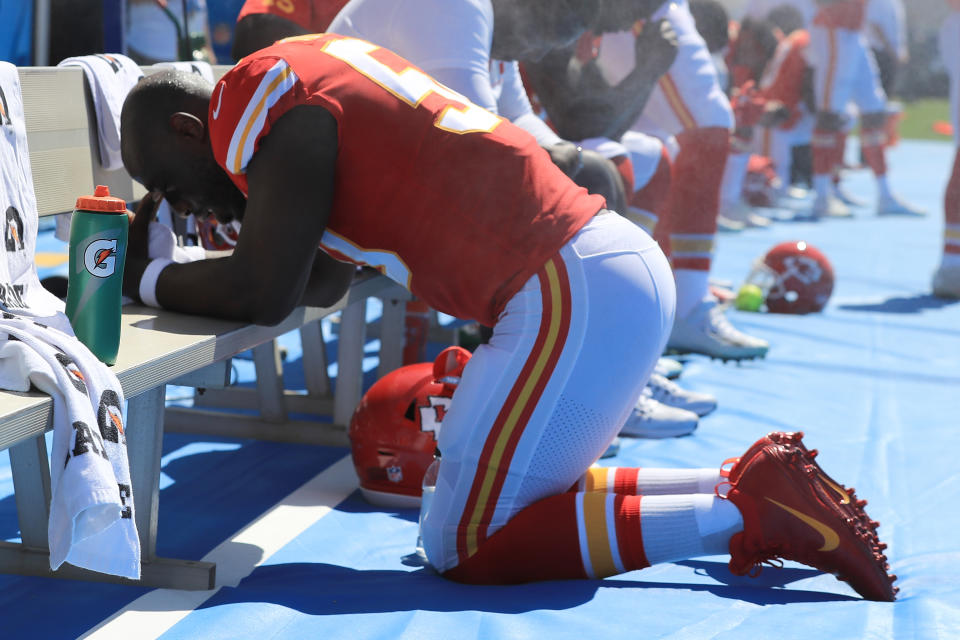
[413,86]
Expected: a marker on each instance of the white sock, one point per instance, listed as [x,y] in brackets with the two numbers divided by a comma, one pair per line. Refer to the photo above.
[676,481]
[687,526]
[883,188]
[822,185]
[692,287]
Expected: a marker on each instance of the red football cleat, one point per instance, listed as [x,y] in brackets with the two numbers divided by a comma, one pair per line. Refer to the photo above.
[790,511]
[733,474]
[846,497]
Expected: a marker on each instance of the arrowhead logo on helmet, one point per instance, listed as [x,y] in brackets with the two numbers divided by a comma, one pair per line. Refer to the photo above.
[795,276]
[395,428]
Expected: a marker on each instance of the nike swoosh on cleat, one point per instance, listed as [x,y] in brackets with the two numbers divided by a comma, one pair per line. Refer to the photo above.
[830,538]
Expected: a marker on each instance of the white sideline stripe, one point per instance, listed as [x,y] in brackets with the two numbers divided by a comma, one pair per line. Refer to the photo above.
[154,613]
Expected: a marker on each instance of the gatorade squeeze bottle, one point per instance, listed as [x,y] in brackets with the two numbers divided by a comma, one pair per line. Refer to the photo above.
[98,245]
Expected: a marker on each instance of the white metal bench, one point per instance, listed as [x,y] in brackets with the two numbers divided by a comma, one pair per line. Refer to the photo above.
[158,348]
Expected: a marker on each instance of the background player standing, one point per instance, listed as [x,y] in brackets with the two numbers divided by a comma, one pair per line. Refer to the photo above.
[946,279]
[845,71]
[689,104]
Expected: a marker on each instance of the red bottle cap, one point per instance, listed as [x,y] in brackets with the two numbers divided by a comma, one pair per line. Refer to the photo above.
[101,200]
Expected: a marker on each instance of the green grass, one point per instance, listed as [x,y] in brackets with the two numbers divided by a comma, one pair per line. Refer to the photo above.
[919,117]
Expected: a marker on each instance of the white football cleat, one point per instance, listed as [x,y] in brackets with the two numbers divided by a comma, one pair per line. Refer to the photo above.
[744,214]
[673,395]
[848,198]
[729,226]
[668,368]
[651,419]
[794,192]
[830,207]
[894,206]
[707,330]
[946,281]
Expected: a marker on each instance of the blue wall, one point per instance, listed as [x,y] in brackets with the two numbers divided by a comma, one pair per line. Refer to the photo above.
[16,31]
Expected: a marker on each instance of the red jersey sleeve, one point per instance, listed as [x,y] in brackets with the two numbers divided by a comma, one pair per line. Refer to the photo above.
[313,15]
[243,107]
[783,79]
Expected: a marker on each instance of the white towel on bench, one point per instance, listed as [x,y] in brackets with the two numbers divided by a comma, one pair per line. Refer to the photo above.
[110,76]
[88,527]
[92,521]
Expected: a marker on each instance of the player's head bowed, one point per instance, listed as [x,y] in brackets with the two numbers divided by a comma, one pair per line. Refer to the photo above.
[166,145]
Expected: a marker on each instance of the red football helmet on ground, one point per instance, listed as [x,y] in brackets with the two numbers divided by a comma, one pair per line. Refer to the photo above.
[394,430]
[795,277]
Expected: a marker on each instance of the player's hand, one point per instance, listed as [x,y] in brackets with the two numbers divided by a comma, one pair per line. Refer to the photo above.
[138,244]
[138,241]
[567,156]
[656,47]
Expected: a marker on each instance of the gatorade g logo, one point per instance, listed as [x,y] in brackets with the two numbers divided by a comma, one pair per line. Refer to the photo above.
[4,110]
[13,232]
[100,258]
[73,372]
[110,416]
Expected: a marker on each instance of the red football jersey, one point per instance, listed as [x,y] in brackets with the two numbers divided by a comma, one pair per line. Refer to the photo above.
[440,195]
[313,15]
[841,14]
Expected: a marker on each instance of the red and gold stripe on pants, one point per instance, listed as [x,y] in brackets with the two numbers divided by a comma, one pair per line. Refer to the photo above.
[501,442]
[675,100]
[831,71]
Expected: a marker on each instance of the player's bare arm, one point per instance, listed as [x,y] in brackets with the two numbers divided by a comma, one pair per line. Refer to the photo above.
[580,102]
[290,190]
[329,281]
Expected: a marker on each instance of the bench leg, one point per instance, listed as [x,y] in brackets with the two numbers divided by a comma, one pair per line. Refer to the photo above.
[353,328]
[31,486]
[144,449]
[314,359]
[391,335]
[269,369]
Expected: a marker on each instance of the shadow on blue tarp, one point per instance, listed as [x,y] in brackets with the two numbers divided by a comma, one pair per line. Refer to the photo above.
[911,304]
[318,589]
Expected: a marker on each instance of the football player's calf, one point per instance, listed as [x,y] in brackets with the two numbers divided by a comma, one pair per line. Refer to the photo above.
[946,279]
